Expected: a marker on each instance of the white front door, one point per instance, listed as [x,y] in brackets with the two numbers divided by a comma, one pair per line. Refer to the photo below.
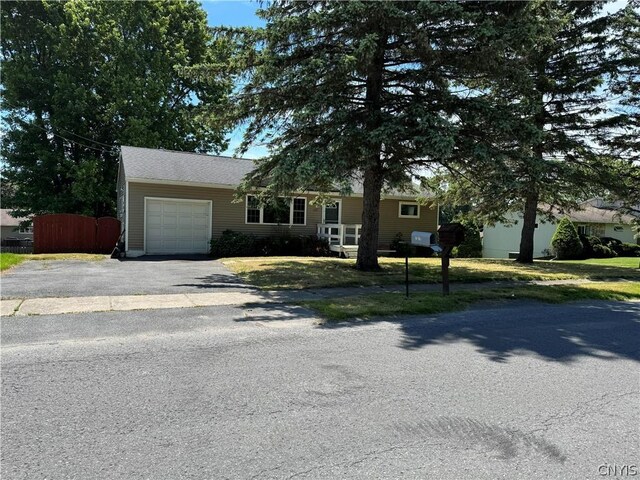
[177,226]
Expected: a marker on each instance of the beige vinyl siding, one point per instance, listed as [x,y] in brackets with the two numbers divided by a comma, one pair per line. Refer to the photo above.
[390,223]
[231,216]
[226,214]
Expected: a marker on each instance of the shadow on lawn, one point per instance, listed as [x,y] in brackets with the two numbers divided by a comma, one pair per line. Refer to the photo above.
[559,333]
[328,272]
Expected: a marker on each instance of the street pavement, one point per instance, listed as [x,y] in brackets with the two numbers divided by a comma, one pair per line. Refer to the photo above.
[526,391]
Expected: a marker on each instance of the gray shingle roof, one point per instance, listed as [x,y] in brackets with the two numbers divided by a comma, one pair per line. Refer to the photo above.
[153,164]
[8,220]
[200,168]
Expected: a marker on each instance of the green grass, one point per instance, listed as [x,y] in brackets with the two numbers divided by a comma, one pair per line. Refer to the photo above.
[385,304]
[272,273]
[8,260]
[624,262]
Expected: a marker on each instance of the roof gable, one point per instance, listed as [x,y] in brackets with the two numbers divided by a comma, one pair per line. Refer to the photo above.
[171,166]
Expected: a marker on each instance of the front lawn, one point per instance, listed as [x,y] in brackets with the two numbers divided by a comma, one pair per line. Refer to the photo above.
[384,304]
[626,262]
[8,260]
[272,273]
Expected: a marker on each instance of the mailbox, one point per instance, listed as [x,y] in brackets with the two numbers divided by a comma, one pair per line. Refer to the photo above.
[423,239]
[451,234]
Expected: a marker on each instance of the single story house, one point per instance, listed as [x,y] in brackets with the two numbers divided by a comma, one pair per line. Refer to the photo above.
[176,202]
[10,226]
[594,218]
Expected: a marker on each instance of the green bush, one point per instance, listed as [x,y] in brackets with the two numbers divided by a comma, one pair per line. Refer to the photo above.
[603,251]
[398,244]
[471,247]
[628,250]
[566,242]
[236,244]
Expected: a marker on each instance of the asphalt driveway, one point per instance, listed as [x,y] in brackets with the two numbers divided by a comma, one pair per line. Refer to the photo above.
[140,276]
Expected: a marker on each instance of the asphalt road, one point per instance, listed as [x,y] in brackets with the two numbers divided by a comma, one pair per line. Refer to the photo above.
[134,276]
[526,392]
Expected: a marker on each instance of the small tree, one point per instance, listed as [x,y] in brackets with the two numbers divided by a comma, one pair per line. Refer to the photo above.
[471,247]
[566,242]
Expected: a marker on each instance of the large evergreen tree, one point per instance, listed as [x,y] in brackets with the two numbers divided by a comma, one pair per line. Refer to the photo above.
[82,77]
[356,91]
[537,139]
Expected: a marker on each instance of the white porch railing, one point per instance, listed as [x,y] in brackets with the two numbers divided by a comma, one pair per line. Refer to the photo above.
[340,234]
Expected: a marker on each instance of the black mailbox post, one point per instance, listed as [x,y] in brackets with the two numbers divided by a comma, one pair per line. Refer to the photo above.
[450,235]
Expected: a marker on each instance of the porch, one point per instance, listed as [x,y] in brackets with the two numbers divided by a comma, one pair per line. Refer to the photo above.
[343,238]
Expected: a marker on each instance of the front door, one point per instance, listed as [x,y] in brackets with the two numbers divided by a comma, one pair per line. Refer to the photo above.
[331,212]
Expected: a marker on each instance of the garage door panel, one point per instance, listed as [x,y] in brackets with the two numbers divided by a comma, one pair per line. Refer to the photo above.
[177,226]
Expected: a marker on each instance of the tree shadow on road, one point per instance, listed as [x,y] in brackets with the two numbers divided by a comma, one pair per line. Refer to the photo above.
[560,333]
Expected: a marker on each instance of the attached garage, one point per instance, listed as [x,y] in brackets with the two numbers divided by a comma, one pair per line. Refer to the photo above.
[175,226]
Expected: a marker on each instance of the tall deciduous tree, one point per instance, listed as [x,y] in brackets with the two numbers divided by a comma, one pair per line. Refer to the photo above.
[536,142]
[82,77]
[356,91]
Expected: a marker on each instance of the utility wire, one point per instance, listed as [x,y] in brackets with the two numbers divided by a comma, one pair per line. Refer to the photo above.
[24,122]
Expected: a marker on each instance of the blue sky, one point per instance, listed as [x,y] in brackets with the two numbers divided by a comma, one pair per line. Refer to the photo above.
[239,13]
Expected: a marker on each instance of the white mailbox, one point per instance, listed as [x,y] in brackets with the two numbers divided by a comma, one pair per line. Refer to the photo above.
[423,239]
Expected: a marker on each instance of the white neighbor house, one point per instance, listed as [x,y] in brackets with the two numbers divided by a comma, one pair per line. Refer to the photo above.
[593,218]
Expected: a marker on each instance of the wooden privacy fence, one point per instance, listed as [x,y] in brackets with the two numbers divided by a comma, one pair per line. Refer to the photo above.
[68,233]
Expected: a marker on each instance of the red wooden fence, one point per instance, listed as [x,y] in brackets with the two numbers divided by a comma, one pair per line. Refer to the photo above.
[68,233]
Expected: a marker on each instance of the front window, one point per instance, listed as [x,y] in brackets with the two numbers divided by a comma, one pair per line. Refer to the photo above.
[25,230]
[584,230]
[253,210]
[277,212]
[281,212]
[409,210]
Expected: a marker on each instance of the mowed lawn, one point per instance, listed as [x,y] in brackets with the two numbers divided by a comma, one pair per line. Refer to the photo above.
[8,260]
[365,307]
[271,273]
[627,262]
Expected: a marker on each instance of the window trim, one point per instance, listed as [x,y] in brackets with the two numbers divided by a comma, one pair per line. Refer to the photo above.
[27,231]
[339,202]
[401,203]
[261,210]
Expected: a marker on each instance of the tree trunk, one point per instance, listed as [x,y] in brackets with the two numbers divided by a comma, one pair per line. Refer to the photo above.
[368,244]
[528,228]
[373,172]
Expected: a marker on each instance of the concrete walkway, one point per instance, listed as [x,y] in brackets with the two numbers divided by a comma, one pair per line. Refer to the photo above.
[84,304]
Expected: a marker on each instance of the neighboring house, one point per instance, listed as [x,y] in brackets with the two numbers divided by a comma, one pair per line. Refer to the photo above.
[10,227]
[176,202]
[594,218]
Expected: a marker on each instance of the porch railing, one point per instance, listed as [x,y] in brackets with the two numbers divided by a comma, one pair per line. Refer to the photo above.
[340,234]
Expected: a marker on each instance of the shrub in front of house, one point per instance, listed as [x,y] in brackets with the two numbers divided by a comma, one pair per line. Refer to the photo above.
[565,243]
[628,250]
[234,244]
[602,251]
[237,244]
[471,247]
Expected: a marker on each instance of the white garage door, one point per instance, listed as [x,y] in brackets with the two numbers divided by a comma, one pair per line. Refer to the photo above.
[177,226]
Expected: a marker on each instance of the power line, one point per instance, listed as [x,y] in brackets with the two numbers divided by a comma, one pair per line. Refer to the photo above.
[64,138]
[102,150]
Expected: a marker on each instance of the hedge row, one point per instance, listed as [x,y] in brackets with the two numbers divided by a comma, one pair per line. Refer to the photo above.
[237,244]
